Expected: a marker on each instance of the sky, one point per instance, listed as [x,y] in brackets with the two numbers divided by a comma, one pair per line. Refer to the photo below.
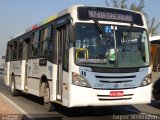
[18,15]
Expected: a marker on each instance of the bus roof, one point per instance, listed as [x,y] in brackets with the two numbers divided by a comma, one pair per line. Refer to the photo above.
[154,38]
[55,16]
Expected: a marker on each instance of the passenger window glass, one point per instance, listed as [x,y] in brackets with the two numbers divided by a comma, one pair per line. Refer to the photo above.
[36,37]
[20,49]
[35,44]
[46,41]
[14,50]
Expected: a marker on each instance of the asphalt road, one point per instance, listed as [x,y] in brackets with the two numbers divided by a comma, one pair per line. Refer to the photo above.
[32,107]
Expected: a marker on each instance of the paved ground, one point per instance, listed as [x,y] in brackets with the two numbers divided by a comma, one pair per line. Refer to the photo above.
[8,111]
[7,108]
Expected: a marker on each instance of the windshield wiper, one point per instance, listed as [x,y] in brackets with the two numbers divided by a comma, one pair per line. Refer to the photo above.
[101,31]
[99,26]
[109,38]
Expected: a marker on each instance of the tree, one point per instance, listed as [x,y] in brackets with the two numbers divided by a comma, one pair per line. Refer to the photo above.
[118,4]
[151,23]
[153,26]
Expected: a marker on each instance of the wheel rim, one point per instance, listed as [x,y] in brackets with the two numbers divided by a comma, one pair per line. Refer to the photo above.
[12,87]
[46,95]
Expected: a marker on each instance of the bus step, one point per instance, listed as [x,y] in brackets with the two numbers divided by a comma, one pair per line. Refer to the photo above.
[25,90]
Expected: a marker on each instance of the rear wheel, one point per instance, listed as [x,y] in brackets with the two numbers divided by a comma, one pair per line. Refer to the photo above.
[46,96]
[14,92]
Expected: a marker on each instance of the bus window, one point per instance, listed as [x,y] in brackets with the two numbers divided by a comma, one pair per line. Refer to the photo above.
[46,43]
[35,44]
[14,50]
[20,49]
[65,50]
[8,53]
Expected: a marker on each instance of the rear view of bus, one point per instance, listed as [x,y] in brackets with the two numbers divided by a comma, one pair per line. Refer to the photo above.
[112,58]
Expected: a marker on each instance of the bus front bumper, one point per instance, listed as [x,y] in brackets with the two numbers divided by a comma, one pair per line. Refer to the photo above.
[81,96]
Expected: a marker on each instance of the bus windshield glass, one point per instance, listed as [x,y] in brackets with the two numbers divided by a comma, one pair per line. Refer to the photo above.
[111,46]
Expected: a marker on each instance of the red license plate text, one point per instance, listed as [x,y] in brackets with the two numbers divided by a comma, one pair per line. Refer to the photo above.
[116,93]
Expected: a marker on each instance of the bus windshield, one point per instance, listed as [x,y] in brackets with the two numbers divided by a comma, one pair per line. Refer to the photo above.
[111,46]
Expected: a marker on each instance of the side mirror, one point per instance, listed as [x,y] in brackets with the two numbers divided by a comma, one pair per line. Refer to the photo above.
[3,57]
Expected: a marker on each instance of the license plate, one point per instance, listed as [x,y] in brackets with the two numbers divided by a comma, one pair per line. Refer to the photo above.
[116,93]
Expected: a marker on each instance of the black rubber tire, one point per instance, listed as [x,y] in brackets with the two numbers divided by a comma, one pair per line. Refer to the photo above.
[14,91]
[47,105]
[156,90]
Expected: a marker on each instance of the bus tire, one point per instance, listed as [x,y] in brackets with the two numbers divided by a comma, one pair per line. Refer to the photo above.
[14,91]
[46,96]
[156,90]
[158,69]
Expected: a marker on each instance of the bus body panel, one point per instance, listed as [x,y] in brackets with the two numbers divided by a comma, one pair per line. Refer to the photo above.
[15,71]
[114,80]
[89,97]
[54,81]
[133,94]
[35,73]
[33,86]
[7,73]
[23,77]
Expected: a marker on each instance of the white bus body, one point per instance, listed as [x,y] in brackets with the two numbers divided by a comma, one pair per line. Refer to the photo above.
[54,57]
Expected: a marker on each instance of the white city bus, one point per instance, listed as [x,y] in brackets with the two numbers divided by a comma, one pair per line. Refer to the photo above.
[83,56]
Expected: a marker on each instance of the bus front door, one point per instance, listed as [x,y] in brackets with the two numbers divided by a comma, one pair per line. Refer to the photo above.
[62,62]
[59,63]
[25,57]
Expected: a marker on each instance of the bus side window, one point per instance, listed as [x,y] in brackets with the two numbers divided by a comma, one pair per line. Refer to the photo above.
[14,50]
[46,41]
[54,48]
[35,44]
[65,53]
[8,55]
[20,46]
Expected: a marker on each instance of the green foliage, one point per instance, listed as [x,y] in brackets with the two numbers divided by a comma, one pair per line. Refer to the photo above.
[139,7]
[118,4]
[123,4]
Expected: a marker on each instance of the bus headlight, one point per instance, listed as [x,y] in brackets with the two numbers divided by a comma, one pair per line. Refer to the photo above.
[147,80]
[79,80]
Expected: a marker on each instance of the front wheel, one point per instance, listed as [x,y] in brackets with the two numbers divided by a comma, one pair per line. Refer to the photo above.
[156,90]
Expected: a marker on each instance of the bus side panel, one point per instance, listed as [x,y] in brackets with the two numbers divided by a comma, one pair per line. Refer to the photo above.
[54,86]
[35,71]
[33,86]
[33,75]
[23,72]
[15,69]
[65,88]
[7,73]
[50,72]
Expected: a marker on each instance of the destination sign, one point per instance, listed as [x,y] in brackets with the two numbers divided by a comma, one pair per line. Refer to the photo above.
[93,61]
[109,14]
[61,21]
